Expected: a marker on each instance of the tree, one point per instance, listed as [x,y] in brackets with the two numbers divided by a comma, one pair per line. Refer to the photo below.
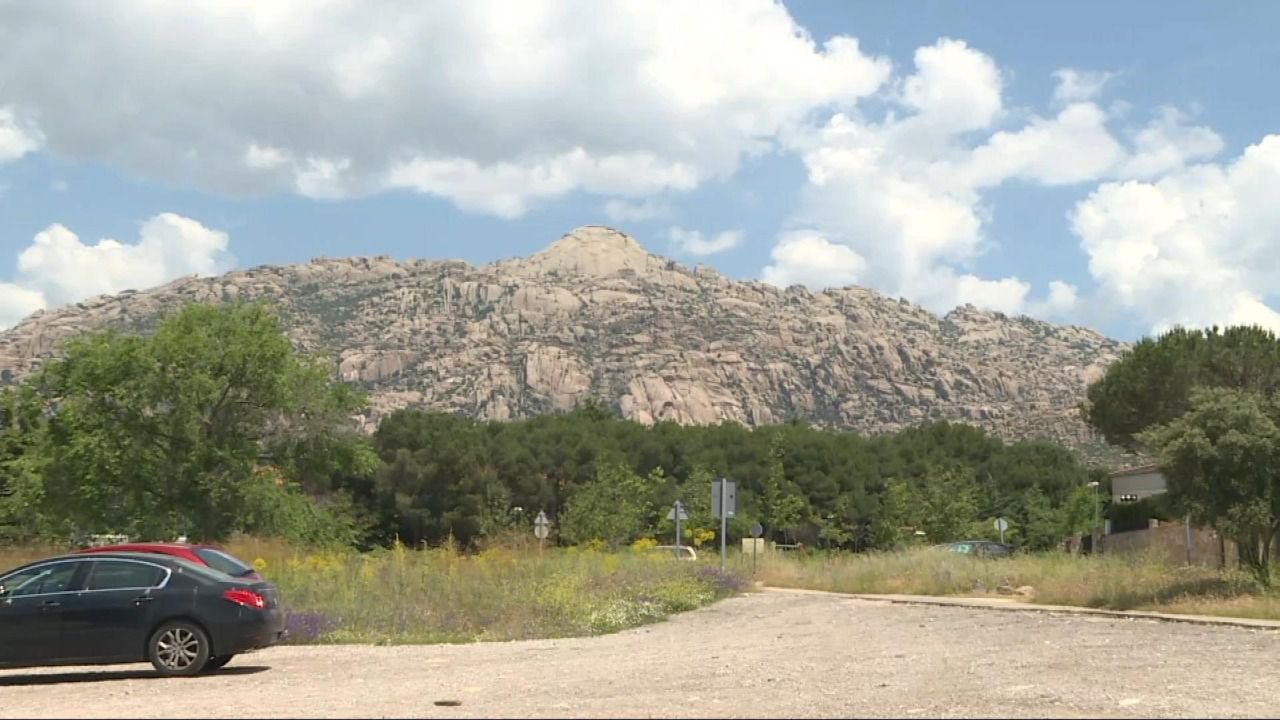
[1042,525]
[612,508]
[783,507]
[946,504]
[896,507]
[160,436]
[1152,383]
[436,481]
[1221,460]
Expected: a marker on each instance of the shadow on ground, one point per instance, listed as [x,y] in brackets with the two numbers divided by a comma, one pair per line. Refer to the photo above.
[92,676]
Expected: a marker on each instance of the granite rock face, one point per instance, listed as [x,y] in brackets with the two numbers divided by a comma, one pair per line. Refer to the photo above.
[595,316]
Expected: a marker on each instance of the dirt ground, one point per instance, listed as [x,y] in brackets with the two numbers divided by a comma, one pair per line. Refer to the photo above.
[770,654]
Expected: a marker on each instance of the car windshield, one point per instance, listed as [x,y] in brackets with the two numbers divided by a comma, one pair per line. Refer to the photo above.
[223,562]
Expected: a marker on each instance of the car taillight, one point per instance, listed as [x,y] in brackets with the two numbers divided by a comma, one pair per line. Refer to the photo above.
[247,598]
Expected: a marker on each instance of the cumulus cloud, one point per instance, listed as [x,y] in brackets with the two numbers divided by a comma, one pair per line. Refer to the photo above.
[1061,300]
[487,103]
[806,258]
[1198,246]
[623,211]
[18,136]
[691,242]
[906,193]
[1075,85]
[57,268]
[1169,143]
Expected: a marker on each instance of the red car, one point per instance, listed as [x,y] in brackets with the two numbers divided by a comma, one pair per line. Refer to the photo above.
[207,555]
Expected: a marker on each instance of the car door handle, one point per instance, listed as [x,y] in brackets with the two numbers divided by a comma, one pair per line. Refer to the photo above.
[142,600]
[52,604]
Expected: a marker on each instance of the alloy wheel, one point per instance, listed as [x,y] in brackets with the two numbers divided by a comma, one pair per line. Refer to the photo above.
[177,648]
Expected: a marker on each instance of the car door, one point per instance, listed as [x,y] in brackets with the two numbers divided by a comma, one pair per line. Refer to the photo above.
[112,613]
[32,612]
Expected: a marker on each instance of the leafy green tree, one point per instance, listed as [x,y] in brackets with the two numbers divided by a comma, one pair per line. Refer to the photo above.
[946,504]
[1152,383]
[1080,511]
[612,508]
[435,480]
[896,509]
[1042,525]
[159,436]
[1221,460]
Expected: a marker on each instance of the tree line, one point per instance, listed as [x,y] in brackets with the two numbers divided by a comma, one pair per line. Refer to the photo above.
[214,424]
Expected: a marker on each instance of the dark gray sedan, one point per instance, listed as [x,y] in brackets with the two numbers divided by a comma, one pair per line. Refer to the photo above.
[110,608]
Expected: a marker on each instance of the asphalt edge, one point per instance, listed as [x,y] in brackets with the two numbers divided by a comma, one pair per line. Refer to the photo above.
[996,604]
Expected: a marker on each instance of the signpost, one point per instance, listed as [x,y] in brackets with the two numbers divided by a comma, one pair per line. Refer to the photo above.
[541,528]
[724,504]
[1002,525]
[756,531]
[677,513]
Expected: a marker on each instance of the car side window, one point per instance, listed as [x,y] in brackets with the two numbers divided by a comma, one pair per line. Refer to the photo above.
[123,574]
[41,579]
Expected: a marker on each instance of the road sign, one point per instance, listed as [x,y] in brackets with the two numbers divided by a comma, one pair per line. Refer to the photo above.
[541,526]
[757,530]
[1002,525]
[731,498]
[724,504]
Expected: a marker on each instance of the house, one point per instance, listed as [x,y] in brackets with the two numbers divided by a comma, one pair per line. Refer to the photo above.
[1138,483]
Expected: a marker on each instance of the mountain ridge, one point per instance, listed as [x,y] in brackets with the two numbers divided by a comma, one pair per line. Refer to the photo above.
[593,315]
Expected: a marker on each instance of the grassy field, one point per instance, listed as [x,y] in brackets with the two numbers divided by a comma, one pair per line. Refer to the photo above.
[440,595]
[1105,581]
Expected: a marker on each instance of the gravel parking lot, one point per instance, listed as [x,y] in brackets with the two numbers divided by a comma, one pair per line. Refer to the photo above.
[772,654]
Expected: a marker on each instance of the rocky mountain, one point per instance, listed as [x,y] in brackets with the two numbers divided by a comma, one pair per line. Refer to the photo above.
[595,316]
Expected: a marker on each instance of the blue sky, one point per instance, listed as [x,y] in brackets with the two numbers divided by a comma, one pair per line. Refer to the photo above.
[1105,164]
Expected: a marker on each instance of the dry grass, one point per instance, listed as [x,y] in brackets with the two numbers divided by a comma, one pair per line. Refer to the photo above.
[1105,581]
[441,595]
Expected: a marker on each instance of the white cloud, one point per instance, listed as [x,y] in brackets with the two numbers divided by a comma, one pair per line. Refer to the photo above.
[57,268]
[1076,85]
[1200,245]
[954,88]
[258,157]
[906,193]
[691,242]
[505,189]
[17,302]
[488,103]
[1168,143]
[1062,299]
[1073,147]
[806,258]
[17,135]
[621,211]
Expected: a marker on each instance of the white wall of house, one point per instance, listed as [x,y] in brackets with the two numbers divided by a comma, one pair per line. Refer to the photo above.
[1136,486]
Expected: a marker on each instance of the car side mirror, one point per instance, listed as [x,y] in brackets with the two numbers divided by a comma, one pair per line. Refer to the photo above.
[3,591]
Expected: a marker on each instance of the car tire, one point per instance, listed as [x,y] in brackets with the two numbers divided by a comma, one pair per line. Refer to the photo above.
[178,649]
[217,663]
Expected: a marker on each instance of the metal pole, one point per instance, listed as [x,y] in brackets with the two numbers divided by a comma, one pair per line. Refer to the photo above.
[724,521]
[677,511]
[1093,541]
[1188,537]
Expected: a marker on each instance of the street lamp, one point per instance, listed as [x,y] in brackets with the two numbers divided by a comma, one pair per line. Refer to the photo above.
[1093,536]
